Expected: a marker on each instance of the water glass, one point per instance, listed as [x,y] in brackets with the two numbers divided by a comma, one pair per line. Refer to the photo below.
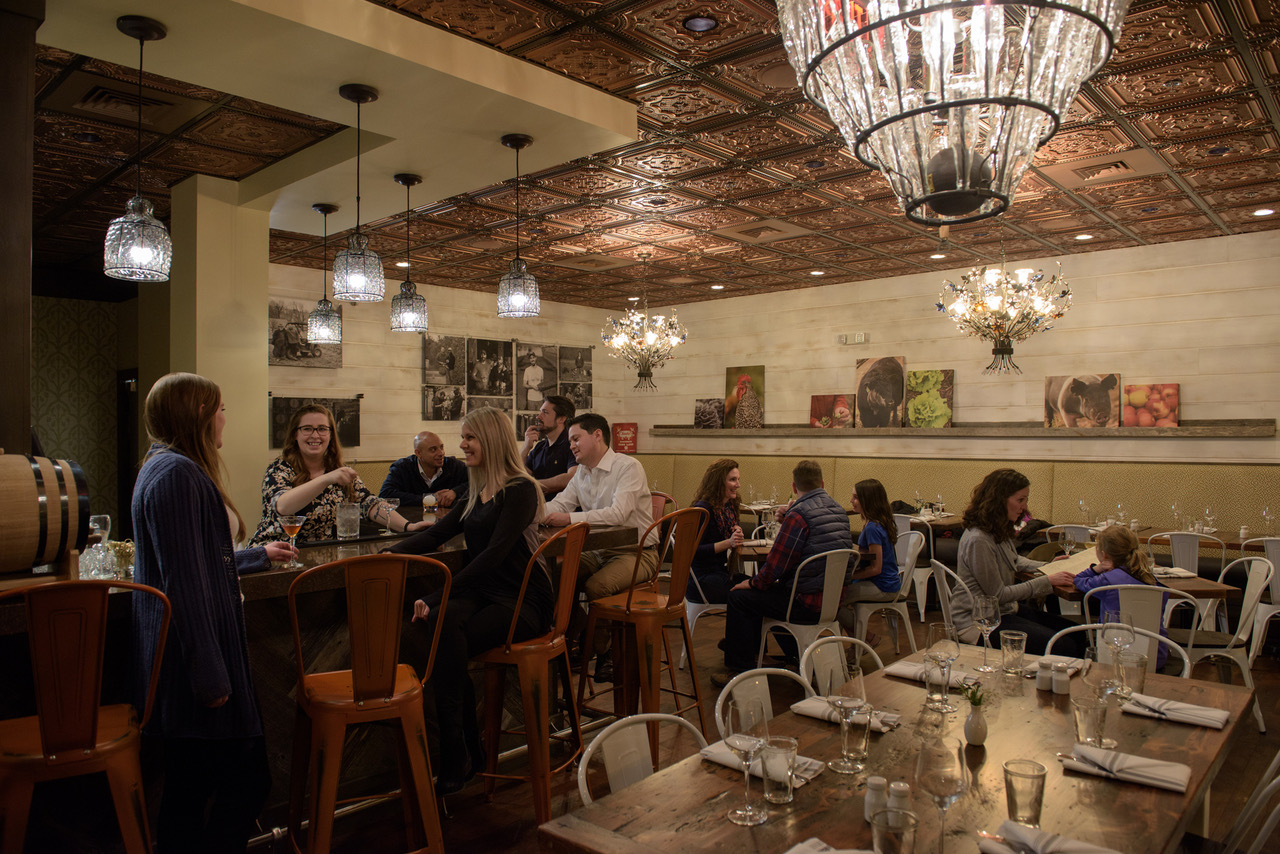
[348,521]
[778,767]
[1012,646]
[894,832]
[1090,715]
[746,730]
[101,525]
[1133,667]
[1024,790]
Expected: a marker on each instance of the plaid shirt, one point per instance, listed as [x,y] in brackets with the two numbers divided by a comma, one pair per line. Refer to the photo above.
[785,558]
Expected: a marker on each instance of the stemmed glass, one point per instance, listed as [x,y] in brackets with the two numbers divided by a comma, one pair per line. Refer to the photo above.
[1209,518]
[388,505]
[1084,512]
[919,503]
[745,732]
[1069,542]
[943,647]
[848,701]
[987,613]
[1269,516]
[1118,634]
[938,508]
[1120,513]
[1103,679]
[291,526]
[941,773]
[1177,515]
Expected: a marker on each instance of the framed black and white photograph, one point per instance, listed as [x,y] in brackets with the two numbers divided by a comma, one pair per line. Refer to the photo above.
[442,403]
[503,403]
[346,416]
[575,364]
[523,420]
[489,369]
[579,393]
[537,369]
[444,360]
[287,343]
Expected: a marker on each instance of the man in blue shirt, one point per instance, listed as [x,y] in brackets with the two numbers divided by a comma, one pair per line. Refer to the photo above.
[427,471]
[546,445]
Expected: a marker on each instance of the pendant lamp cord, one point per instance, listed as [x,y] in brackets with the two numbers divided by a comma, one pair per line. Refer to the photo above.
[324,266]
[408,212]
[517,204]
[358,168]
[138,185]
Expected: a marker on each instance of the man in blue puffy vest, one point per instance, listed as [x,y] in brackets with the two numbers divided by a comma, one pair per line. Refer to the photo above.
[814,523]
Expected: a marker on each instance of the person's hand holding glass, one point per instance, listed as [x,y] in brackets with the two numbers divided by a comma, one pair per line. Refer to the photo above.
[291,525]
[745,732]
[987,616]
[848,701]
[943,646]
[941,774]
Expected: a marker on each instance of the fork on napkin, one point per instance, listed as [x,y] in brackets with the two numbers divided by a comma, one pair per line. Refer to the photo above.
[818,707]
[914,670]
[1157,773]
[1073,664]
[1020,839]
[719,753]
[1175,710]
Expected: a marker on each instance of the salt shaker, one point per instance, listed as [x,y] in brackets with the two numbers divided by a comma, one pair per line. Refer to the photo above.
[899,796]
[877,796]
[1044,676]
[1244,533]
[1061,678]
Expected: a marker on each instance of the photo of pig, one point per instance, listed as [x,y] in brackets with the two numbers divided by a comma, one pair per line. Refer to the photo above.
[1083,400]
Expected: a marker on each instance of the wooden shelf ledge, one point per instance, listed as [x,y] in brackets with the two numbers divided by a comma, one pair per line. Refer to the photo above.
[1240,428]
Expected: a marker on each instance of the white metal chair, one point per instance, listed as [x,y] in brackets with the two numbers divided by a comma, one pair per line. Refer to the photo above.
[1266,610]
[907,549]
[942,576]
[754,685]
[626,750]
[837,569]
[920,575]
[1153,636]
[694,610]
[1080,533]
[1184,552]
[825,666]
[1267,788]
[1234,646]
[1146,605]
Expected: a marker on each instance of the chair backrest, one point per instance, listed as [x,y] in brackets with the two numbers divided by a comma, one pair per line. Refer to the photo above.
[625,747]
[572,539]
[1184,548]
[1093,628]
[1270,548]
[942,577]
[837,569]
[824,665]
[1080,533]
[907,550]
[1047,551]
[1260,572]
[686,528]
[1146,605]
[903,521]
[66,632]
[1268,786]
[375,617]
[663,504]
[754,685]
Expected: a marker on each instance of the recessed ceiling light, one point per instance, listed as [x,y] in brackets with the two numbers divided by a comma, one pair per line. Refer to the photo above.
[402,263]
[814,164]
[633,299]
[657,201]
[1151,209]
[700,23]
[717,287]
[937,255]
[86,136]
[1263,212]
[817,272]
[1219,150]
[1084,237]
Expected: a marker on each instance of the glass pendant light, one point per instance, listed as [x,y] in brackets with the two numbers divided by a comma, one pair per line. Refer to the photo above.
[518,289]
[324,324]
[357,270]
[408,308]
[138,247]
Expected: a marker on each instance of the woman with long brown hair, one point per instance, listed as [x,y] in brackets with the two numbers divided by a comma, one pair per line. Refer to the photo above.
[876,577]
[718,495]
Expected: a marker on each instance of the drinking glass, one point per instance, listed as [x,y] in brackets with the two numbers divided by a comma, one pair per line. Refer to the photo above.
[919,503]
[1209,518]
[893,832]
[1024,790]
[944,647]
[988,619]
[848,701]
[941,773]
[101,525]
[1089,717]
[1269,516]
[1103,679]
[1084,512]
[291,525]
[940,505]
[388,505]
[745,732]
[1069,542]
[1121,514]
[1177,515]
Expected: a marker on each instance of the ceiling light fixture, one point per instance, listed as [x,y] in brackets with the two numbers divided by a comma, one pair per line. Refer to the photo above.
[1263,212]
[700,23]
[944,242]
[644,341]
[408,308]
[1084,237]
[357,270]
[138,247]
[717,287]
[817,272]
[518,289]
[324,324]
[949,100]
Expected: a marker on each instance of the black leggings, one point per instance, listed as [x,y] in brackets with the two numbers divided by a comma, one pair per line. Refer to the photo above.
[1041,626]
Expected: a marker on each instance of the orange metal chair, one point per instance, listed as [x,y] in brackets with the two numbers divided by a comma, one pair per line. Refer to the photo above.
[642,613]
[377,688]
[532,660]
[71,734]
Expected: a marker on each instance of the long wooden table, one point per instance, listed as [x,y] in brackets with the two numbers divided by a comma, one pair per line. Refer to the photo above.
[1200,588]
[681,808]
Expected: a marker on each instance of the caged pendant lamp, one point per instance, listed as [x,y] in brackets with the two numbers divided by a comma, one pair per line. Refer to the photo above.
[357,270]
[138,247]
[408,308]
[518,289]
[324,324]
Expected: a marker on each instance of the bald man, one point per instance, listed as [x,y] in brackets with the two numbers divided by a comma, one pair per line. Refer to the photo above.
[427,471]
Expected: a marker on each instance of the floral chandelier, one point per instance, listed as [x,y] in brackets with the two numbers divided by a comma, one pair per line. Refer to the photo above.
[643,340]
[950,100]
[991,304]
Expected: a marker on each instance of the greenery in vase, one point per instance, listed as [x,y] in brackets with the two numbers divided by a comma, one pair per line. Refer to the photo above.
[973,693]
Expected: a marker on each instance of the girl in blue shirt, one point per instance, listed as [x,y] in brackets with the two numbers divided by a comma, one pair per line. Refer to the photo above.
[876,578]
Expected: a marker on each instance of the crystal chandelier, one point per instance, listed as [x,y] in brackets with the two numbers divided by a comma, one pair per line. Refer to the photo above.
[357,270]
[949,100]
[518,289]
[138,247]
[991,304]
[408,309]
[324,324]
[644,341]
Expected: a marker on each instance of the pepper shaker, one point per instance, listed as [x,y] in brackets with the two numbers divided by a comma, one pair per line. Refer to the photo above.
[1061,678]
[877,796]
[899,796]
[1044,676]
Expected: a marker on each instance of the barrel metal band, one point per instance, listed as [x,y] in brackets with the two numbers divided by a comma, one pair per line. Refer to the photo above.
[64,506]
[82,497]
[42,511]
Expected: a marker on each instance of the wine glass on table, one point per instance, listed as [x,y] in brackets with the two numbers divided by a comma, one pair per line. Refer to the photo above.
[943,646]
[987,616]
[941,774]
[745,732]
[1177,515]
[388,505]
[848,701]
[1069,542]
[1084,512]
[1121,513]
[1269,517]
[939,509]
[1209,518]
[1118,635]
[291,525]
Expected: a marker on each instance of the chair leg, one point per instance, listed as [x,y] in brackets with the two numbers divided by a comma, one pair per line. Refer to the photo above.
[588,649]
[575,722]
[124,775]
[495,681]
[684,653]
[328,736]
[534,690]
[693,675]
[922,593]
[1248,680]
[1260,623]
[415,745]
[298,774]
[15,806]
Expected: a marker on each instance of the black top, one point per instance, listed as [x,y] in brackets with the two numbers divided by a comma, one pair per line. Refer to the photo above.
[404,480]
[548,459]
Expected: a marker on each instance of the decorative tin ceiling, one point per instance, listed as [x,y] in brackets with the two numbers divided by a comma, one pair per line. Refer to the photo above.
[737,185]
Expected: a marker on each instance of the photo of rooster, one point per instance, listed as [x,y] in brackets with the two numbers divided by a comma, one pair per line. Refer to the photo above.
[744,397]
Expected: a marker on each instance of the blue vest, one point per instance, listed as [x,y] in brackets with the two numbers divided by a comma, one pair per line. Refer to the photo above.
[828,529]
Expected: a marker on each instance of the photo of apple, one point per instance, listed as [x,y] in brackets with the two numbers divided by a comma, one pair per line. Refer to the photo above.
[1151,405]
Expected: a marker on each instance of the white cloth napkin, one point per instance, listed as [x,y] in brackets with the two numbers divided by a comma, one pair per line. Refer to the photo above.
[1157,773]
[1023,839]
[754,544]
[1073,664]
[814,845]
[719,753]
[914,670]
[1175,710]
[1173,572]
[818,707]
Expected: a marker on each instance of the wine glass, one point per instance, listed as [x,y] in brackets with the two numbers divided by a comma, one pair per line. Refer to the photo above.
[388,505]
[1269,516]
[1121,514]
[291,525]
[938,508]
[1069,542]
[919,503]
[1118,635]
[1084,512]
[1209,518]
[943,647]
[1177,515]
[987,614]
[848,701]
[745,732]
[941,773]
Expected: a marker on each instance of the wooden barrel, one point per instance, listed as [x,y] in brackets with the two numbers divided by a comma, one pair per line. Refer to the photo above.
[44,511]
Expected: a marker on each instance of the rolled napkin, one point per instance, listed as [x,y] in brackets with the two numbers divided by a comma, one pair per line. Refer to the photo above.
[1073,664]
[1157,773]
[1022,839]
[755,544]
[1172,572]
[818,707]
[814,845]
[1174,710]
[719,753]
[914,670]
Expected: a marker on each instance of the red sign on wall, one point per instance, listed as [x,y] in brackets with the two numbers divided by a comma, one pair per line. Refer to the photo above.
[624,437]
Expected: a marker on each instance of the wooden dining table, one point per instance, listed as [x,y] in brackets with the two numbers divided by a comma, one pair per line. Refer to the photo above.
[682,807]
[1200,588]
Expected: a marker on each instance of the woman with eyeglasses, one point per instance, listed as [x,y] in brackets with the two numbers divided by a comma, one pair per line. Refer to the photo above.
[309,479]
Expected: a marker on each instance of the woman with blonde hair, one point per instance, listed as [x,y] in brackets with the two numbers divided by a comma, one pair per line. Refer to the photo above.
[499,525]
[718,495]
[206,712]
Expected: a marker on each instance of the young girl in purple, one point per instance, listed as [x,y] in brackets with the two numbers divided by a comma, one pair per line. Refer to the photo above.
[876,577]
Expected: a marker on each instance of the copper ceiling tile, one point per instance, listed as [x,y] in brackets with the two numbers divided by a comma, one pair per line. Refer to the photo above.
[836,217]
[1217,117]
[1171,237]
[1209,75]
[1206,152]
[1246,172]
[595,242]
[592,215]
[531,198]
[590,181]
[1242,216]
[784,204]
[659,25]
[1047,204]
[713,217]
[1121,192]
[501,23]
[870,233]
[786,262]
[205,160]
[279,114]
[766,75]
[665,161]
[1254,224]
[155,182]
[129,74]
[685,102]
[1162,29]
[1164,225]
[595,57]
[75,134]
[241,131]
[1082,142]
[1151,209]
[756,135]
[863,185]
[658,201]
[469,215]
[819,163]
[1250,194]
[646,232]
[729,184]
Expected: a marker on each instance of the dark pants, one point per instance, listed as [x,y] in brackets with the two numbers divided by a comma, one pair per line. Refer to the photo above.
[715,585]
[472,625]
[1040,626]
[746,612]
[214,790]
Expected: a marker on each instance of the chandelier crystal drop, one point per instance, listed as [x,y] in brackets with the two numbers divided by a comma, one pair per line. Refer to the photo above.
[518,289]
[949,100]
[408,308]
[643,340]
[324,323]
[357,270]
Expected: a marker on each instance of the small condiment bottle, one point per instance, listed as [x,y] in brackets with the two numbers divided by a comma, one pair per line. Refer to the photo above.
[1061,678]
[899,796]
[1044,676]
[877,796]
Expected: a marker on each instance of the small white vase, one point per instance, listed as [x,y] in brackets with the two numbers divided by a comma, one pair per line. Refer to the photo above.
[975,727]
